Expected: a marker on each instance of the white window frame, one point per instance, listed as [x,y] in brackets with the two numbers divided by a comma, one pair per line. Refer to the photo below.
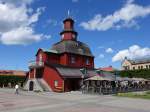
[56,83]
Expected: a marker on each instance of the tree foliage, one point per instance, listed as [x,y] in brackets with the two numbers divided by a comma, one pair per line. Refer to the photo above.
[11,79]
[143,73]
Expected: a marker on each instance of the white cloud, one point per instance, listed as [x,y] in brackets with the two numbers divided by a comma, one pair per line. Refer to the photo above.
[17,21]
[21,35]
[130,1]
[17,2]
[124,17]
[109,50]
[101,56]
[132,52]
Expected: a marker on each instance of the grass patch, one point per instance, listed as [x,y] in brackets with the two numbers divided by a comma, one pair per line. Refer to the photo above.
[144,95]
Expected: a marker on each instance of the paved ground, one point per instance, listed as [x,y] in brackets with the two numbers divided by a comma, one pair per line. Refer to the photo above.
[68,102]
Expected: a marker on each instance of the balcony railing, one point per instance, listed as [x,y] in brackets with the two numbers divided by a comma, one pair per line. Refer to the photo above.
[35,64]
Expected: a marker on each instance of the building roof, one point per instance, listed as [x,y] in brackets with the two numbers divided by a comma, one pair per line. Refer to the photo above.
[68,19]
[70,46]
[100,78]
[69,30]
[50,51]
[13,73]
[108,69]
[139,61]
[74,72]
[108,75]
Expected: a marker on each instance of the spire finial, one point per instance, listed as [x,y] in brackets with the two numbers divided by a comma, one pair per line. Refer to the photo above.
[68,13]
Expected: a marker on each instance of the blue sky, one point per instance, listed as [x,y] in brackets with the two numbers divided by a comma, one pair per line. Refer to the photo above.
[112,29]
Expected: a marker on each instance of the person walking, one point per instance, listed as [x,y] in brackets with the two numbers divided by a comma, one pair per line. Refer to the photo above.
[17,89]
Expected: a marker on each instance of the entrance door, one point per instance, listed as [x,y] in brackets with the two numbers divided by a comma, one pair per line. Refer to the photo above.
[75,85]
[39,72]
[31,85]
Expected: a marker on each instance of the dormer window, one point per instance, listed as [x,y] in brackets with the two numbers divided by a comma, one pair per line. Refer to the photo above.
[72,59]
[40,58]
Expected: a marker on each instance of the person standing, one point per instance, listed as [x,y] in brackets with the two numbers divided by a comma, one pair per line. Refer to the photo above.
[17,89]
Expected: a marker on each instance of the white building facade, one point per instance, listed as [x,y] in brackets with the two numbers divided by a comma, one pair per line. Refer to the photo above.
[128,64]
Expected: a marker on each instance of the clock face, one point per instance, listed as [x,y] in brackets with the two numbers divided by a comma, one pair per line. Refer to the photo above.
[63,36]
[73,35]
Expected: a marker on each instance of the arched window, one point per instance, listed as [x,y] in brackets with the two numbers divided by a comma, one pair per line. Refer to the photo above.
[139,67]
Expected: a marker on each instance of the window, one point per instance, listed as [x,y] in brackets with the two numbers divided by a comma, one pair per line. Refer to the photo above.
[40,57]
[87,61]
[126,67]
[149,66]
[133,68]
[55,83]
[40,62]
[146,66]
[72,59]
[141,67]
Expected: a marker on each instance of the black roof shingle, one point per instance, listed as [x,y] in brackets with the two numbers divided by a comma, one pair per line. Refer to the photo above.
[71,46]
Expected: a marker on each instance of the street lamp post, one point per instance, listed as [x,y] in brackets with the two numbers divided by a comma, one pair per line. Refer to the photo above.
[83,70]
[99,72]
[116,82]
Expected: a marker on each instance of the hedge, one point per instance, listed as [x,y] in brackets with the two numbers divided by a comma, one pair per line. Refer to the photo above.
[143,73]
[11,79]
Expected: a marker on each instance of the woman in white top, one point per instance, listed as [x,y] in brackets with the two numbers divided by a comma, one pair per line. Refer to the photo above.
[17,89]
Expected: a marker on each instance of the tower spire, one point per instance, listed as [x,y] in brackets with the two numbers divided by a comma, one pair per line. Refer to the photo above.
[68,13]
[68,32]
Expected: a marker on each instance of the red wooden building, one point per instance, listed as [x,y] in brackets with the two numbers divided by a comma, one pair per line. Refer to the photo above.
[59,68]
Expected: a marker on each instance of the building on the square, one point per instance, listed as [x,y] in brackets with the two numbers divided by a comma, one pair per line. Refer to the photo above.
[61,67]
[136,64]
[108,69]
[9,78]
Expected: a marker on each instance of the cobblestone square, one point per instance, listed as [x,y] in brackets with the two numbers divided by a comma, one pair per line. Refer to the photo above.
[68,102]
